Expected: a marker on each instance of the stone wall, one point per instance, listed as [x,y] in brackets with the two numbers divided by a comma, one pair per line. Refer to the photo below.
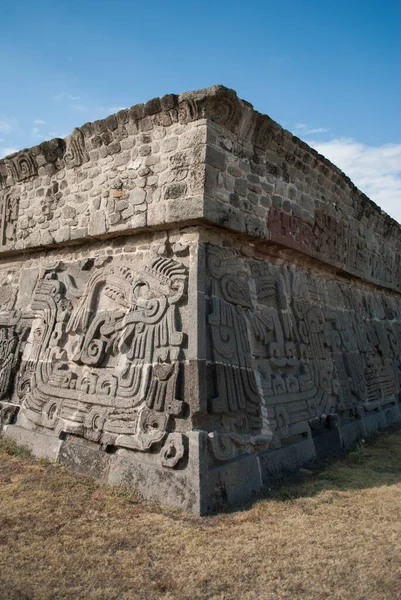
[192,301]
[300,362]
[283,192]
[128,172]
[97,353]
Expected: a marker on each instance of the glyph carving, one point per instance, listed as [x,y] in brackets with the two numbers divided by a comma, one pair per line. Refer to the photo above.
[102,361]
[22,166]
[9,204]
[173,450]
[289,230]
[288,349]
[76,153]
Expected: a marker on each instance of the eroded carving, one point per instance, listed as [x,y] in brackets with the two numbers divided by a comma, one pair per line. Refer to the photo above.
[173,450]
[76,153]
[9,205]
[289,230]
[22,166]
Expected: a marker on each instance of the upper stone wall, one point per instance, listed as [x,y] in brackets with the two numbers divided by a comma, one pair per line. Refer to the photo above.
[290,196]
[127,172]
[200,157]
[266,183]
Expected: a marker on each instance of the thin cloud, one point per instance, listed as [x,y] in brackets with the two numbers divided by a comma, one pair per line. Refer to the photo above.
[37,134]
[8,125]
[62,95]
[6,150]
[317,130]
[305,130]
[39,122]
[115,109]
[107,110]
[375,170]
[79,107]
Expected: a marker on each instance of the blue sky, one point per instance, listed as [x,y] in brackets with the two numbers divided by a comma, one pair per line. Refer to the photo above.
[327,71]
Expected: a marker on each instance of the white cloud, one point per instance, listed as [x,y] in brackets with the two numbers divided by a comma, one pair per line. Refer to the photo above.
[7,125]
[305,130]
[115,109]
[39,122]
[6,150]
[79,107]
[317,130]
[62,95]
[108,110]
[57,134]
[36,134]
[375,170]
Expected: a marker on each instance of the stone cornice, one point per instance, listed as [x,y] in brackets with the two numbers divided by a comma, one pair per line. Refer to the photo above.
[217,103]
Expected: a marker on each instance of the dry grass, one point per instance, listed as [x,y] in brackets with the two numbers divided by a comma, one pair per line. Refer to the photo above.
[334,533]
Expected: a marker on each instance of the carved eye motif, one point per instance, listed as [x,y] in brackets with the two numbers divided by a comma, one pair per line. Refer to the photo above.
[281,420]
[52,411]
[152,425]
[96,423]
[141,293]
[170,452]
[38,334]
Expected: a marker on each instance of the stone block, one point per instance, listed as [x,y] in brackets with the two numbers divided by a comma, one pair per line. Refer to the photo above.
[178,488]
[277,462]
[350,433]
[84,459]
[42,445]
[181,210]
[232,484]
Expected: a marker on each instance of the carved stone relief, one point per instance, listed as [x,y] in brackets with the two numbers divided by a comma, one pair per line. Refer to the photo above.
[22,166]
[102,357]
[290,348]
[289,230]
[9,205]
[76,152]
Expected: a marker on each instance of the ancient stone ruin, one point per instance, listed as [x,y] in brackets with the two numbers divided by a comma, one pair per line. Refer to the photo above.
[192,301]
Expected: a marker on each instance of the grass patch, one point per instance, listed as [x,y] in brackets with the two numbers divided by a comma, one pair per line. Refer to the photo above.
[10,447]
[329,532]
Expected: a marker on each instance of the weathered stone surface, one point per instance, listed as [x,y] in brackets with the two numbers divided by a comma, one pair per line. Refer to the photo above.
[193,301]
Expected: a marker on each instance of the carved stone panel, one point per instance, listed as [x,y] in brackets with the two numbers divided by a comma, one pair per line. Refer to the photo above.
[9,204]
[76,152]
[289,348]
[289,230]
[100,351]
[22,165]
